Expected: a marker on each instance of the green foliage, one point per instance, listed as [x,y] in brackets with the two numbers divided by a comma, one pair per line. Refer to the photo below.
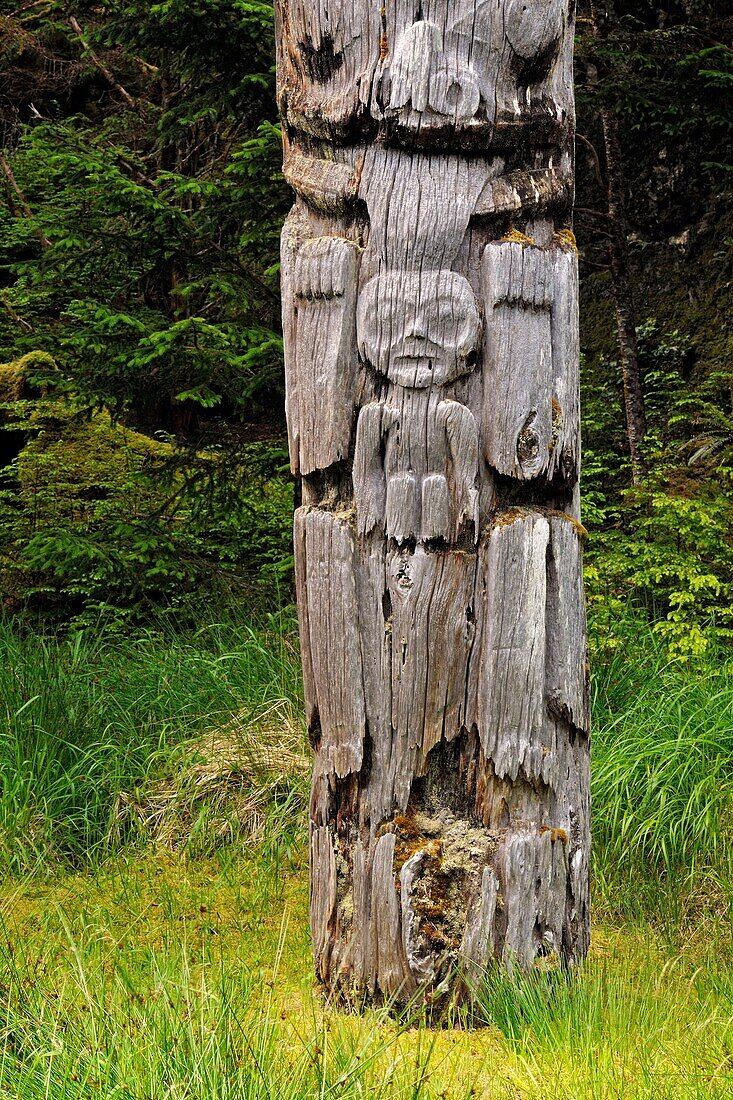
[101,712]
[157,296]
[100,519]
[667,546]
[662,789]
[139,248]
[188,979]
[166,972]
[666,71]
[187,1022]
[675,557]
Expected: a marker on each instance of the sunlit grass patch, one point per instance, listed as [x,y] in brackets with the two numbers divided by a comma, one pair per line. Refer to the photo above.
[166,976]
[662,786]
[662,777]
[635,1021]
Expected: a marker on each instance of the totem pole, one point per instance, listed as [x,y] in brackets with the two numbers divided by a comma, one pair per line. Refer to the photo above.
[430,302]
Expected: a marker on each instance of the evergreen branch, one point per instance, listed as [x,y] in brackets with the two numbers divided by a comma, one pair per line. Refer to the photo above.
[14,316]
[597,170]
[22,201]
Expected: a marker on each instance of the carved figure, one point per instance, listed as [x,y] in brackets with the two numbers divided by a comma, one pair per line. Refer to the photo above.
[533,27]
[419,331]
[531,347]
[319,296]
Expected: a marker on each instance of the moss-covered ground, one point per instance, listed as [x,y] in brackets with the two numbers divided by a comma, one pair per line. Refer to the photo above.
[158,975]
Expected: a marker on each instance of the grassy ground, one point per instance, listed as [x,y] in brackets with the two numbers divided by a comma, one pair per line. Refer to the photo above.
[153,947]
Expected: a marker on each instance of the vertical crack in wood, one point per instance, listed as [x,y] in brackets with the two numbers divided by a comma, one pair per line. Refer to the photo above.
[430,321]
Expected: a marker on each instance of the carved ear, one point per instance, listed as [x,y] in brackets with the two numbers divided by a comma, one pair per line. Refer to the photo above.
[423,77]
[531,418]
[533,26]
[325,267]
[411,68]
[532,52]
[319,314]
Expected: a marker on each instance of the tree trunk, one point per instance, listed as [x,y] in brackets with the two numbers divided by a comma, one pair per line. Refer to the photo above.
[622,292]
[624,297]
[430,321]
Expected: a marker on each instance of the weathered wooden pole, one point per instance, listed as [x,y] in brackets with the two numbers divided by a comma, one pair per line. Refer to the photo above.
[430,309]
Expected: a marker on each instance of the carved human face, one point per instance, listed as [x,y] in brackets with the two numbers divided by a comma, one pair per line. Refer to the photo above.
[418,328]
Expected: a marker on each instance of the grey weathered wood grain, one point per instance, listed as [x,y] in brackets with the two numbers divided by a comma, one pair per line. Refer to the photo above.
[530,191]
[319,279]
[325,563]
[431,600]
[518,411]
[511,704]
[424,191]
[391,971]
[418,950]
[328,53]
[565,457]
[566,685]
[534,880]
[329,186]
[323,897]
[479,938]
[430,329]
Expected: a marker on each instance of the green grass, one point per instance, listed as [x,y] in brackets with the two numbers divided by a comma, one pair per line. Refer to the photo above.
[183,972]
[158,976]
[87,717]
[662,780]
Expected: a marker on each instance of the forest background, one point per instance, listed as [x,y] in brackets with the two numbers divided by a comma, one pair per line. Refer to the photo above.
[153,759]
[143,438]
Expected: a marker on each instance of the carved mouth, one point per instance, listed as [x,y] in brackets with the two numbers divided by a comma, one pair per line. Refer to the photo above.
[420,351]
[419,361]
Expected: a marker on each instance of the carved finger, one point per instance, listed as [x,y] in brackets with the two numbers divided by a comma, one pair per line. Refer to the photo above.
[324,268]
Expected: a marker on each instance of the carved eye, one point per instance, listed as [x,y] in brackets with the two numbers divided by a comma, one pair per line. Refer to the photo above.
[453,93]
